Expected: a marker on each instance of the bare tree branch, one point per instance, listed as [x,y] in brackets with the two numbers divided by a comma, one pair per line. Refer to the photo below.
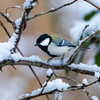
[18,7]
[67,78]
[9,20]
[83,32]
[45,85]
[5,29]
[87,93]
[92,4]
[52,10]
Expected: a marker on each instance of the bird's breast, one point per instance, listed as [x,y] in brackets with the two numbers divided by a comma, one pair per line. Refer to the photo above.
[57,50]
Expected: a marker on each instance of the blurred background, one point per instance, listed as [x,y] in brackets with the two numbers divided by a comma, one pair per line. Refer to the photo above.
[66,23]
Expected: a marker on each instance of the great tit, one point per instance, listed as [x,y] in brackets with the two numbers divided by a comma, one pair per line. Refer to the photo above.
[54,46]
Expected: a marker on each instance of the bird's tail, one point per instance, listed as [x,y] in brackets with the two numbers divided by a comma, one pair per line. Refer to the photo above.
[76,46]
[85,48]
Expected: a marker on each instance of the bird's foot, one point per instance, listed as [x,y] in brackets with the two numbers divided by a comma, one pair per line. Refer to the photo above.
[62,60]
[48,61]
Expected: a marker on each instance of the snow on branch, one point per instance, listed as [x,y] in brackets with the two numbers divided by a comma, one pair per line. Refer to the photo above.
[50,88]
[81,44]
[56,87]
[80,68]
[16,59]
[20,24]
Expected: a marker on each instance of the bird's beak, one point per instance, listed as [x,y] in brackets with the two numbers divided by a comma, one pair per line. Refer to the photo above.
[36,44]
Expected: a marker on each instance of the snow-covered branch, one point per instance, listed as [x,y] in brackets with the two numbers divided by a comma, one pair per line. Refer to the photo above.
[81,44]
[56,87]
[80,68]
[20,24]
[52,87]
[16,59]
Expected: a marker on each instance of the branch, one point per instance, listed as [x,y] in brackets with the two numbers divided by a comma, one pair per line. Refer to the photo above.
[52,87]
[67,78]
[45,85]
[5,29]
[80,68]
[87,93]
[23,56]
[83,32]
[82,42]
[20,53]
[74,88]
[92,4]
[9,20]
[51,10]
[16,59]
[40,94]
[21,23]
[18,7]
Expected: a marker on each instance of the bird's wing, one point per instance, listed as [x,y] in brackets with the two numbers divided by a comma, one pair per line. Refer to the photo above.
[61,42]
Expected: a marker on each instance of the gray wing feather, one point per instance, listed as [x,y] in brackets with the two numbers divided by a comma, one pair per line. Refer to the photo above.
[66,43]
[62,42]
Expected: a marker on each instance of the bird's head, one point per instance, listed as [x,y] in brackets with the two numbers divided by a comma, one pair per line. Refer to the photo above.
[43,40]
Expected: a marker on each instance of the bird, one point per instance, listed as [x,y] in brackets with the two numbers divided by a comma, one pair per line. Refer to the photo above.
[54,46]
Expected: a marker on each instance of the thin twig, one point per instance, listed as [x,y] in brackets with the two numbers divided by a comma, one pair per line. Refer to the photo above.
[74,88]
[9,20]
[45,84]
[92,4]
[87,93]
[18,7]
[13,7]
[5,29]
[83,32]
[52,10]
[80,54]
[67,78]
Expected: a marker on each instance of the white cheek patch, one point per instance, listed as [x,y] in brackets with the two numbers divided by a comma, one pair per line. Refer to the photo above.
[45,42]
